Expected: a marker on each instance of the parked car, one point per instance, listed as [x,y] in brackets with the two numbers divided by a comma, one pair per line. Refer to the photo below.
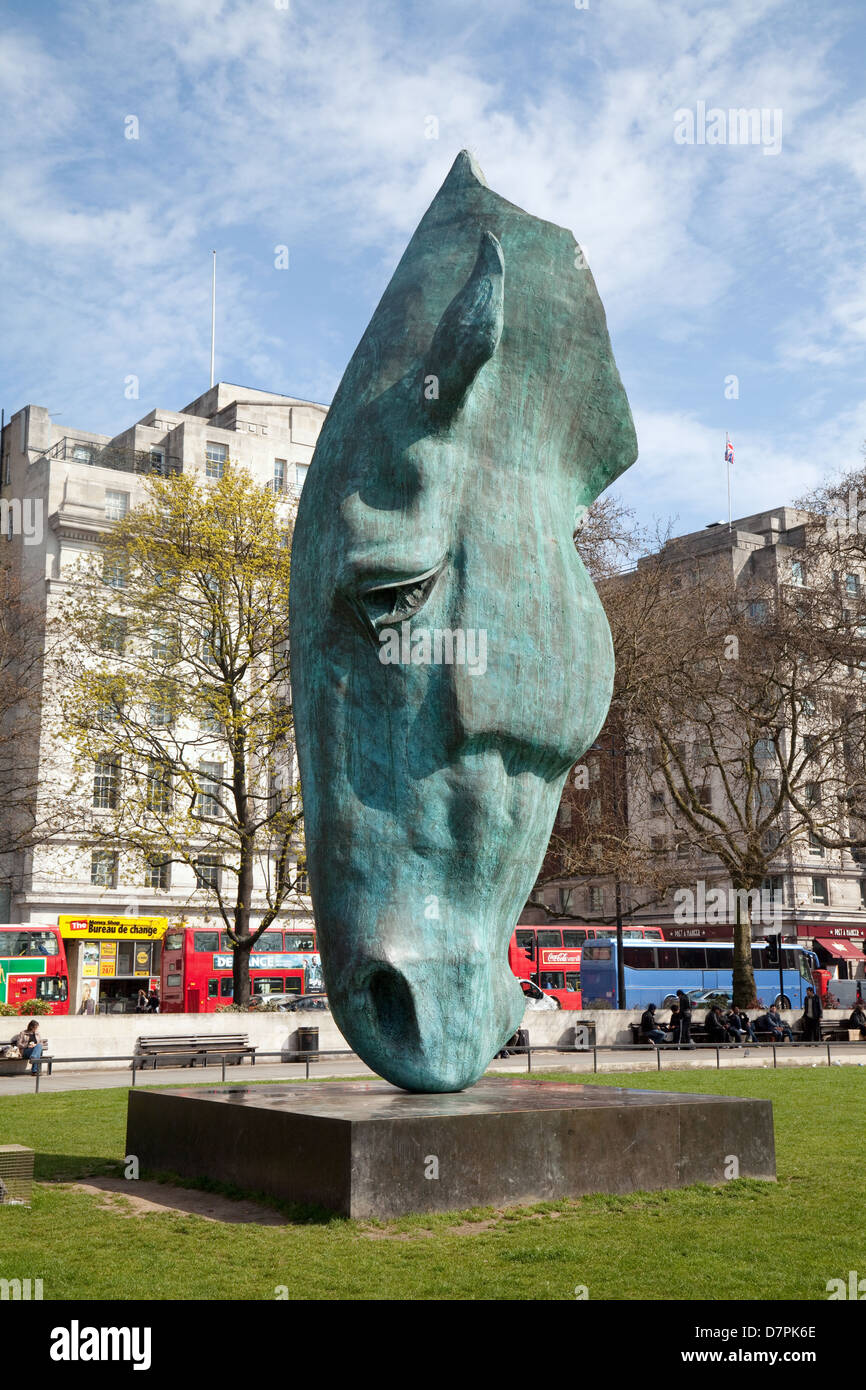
[295,1003]
[536,998]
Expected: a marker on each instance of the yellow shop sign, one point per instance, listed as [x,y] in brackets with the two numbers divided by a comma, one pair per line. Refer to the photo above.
[112,928]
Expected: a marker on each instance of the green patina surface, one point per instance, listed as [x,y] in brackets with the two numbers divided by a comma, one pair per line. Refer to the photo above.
[480,413]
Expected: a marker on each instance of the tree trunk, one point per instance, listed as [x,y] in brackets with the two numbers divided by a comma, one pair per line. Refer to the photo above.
[744,991]
[241,970]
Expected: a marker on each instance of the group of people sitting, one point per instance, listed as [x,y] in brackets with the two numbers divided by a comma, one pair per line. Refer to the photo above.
[721,1027]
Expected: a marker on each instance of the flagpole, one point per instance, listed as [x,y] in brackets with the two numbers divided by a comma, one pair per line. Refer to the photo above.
[212,317]
[728,463]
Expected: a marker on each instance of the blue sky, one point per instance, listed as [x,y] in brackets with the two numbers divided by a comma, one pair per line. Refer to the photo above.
[307,125]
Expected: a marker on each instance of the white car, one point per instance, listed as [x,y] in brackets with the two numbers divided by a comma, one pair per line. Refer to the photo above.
[536,998]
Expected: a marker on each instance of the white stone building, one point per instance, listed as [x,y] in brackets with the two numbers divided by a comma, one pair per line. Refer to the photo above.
[71,486]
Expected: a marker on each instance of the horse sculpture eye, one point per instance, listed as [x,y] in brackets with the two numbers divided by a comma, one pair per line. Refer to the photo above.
[376,606]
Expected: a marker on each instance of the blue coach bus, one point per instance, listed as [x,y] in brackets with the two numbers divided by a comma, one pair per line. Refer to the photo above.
[653,971]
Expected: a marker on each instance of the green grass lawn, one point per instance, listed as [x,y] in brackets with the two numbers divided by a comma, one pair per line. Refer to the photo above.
[746,1239]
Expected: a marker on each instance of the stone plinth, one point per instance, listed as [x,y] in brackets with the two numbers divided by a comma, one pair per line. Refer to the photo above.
[366,1149]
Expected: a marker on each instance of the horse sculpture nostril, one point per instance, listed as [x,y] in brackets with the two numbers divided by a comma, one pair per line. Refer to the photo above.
[394,1008]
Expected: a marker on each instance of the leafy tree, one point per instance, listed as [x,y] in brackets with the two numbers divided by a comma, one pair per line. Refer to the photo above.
[174,679]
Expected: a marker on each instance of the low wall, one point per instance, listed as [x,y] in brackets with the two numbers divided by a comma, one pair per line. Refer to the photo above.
[102,1036]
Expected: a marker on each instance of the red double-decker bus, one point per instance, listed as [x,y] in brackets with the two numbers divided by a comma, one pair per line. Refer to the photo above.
[550,956]
[33,967]
[196,970]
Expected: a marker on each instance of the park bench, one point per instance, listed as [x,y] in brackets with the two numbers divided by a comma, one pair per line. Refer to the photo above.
[189,1049]
[16,1066]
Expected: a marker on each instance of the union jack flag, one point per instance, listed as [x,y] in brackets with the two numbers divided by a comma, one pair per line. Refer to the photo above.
[729,450]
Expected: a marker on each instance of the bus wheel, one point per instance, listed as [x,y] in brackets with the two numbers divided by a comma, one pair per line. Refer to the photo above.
[783,1002]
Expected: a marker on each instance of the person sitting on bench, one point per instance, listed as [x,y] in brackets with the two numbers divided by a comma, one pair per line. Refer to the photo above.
[649,1029]
[858,1018]
[29,1044]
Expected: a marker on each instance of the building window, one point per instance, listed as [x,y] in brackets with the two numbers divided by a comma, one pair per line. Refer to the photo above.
[158,789]
[207,871]
[114,574]
[302,883]
[157,462]
[863,892]
[156,875]
[103,868]
[160,714]
[852,584]
[815,846]
[773,887]
[116,505]
[300,474]
[82,455]
[705,796]
[764,748]
[113,637]
[798,573]
[109,712]
[215,460]
[658,843]
[757,611]
[279,475]
[210,777]
[657,803]
[160,645]
[812,793]
[106,784]
[819,891]
[596,899]
[10,524]
[565,814]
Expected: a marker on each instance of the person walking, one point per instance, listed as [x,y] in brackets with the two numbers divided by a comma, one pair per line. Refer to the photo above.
[685,1008]
[29,1044]
[153,1001]
[813,1012]
[141,1002]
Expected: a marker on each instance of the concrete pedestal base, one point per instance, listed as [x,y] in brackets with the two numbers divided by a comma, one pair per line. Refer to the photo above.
[366,1149]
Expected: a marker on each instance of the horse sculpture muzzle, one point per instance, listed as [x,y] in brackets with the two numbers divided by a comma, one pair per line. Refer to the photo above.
[450,657]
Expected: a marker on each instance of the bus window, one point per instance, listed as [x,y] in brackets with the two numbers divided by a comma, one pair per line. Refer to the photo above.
[267,984]
[638,957]
[668,958]
[206,941]
[653,934]
[295,941]
[53,989]
[272,942]
[44,943]
[573,938]
[526,943]
[572,980]
[174,941]
[227,988]
[593,952]
[213,988]
[720,957]
[549,938]
[551,979]
[172,981]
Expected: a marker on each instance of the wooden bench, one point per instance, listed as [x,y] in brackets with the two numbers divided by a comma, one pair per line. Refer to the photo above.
[188,1049]
[17,1066]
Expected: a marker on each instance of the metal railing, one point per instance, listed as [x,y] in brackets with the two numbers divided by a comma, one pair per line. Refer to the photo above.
[142,1061]
[112,456]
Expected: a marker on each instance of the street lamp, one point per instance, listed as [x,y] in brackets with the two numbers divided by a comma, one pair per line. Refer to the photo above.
[620,964]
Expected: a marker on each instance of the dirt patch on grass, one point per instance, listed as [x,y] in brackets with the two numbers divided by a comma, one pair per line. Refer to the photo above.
[135,1199]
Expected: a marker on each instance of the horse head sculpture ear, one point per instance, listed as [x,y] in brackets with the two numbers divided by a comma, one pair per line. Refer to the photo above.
[468,333]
